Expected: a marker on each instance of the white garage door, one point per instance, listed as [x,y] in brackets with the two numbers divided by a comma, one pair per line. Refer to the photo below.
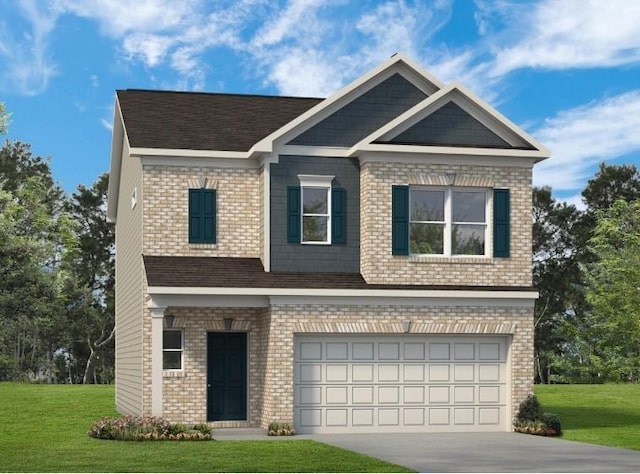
[372,384]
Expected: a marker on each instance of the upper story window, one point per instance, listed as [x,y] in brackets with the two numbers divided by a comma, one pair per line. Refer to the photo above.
[447,221]
[316,211]
[172,349]
[202,216]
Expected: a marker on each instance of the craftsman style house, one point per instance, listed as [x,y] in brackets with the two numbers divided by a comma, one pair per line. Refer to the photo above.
[360,263]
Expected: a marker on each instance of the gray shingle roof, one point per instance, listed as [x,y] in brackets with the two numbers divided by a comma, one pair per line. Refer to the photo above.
[234,272]
[203,121]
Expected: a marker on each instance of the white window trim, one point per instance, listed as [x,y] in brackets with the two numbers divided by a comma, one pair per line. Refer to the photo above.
[315,181]
[448,220]
[181,350]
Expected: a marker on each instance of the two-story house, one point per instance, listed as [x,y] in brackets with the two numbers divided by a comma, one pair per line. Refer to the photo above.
[360,263]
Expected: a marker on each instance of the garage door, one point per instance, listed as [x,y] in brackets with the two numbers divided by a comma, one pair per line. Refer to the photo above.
[371,384]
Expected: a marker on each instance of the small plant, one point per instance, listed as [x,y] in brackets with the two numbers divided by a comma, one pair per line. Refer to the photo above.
[531,420]
[529,409]
[280,429]
[137,428]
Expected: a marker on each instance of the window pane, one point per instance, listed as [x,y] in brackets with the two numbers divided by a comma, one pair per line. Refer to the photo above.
[467,239]
[314,200]
[314,229]
[172,360]
[426,238]
[469,206]
[427,205]
[172,339]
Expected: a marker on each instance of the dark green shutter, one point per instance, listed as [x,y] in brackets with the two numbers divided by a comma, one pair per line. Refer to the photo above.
[501,226]
[195,216]
[338,216]
[293,214]
[400,220]
[202,216]
[209,216]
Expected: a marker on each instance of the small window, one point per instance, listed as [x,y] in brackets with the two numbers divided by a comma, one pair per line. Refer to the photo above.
[172,349]
[447,221]
[315,194]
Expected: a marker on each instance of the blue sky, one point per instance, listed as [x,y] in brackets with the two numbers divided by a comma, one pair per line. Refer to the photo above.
[567,71]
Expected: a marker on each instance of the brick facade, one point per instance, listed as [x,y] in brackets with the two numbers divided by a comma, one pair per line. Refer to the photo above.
[378,265]
[239,215]
[271,359]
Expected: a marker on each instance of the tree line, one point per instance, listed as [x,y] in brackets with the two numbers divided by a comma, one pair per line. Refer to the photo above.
[57,277]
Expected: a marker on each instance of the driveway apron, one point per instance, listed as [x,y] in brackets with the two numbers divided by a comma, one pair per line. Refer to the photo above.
[486,452]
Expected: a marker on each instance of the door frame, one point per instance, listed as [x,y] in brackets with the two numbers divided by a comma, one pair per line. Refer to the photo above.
[247,377]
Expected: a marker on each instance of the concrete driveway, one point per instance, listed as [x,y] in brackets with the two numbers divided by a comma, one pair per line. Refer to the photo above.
[486,452]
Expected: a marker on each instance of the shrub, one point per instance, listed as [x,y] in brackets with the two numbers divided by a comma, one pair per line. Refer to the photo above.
[529,409]
[136,428]
[551,420]
[280,429]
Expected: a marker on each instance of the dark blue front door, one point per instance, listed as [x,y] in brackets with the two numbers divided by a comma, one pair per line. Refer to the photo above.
[226,376]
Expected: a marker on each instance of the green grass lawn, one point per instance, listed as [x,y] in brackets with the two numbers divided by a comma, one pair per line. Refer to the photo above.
[43,428]
[599,414]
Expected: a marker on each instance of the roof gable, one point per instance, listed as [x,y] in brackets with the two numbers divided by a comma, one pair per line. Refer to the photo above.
[365,114]
[450,125]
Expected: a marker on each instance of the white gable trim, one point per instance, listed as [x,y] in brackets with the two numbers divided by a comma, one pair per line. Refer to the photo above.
[473,105]
[398,63]
[118,137]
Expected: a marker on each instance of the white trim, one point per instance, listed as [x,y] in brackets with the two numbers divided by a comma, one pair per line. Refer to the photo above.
[315,181]
[117,149]
[181,350]
[209,301]
[464,98]
[213,162]
[394,301]
[439,158]
[398,63]
[157,317]
[444,150]
[305,150]
[333,292]
[266,213]
[187,153]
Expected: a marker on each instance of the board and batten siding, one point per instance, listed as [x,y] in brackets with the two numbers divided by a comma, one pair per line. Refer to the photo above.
[129,288]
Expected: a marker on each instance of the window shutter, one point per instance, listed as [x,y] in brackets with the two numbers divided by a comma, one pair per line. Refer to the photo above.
[195,216]
[338,216]
[501,226]
[293,214]
[400,220]
[209,216]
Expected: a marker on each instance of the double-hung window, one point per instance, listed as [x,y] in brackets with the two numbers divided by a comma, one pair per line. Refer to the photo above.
[447,221]
[316,211]
[172,349]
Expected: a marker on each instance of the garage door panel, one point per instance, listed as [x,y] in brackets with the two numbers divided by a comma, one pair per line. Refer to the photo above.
[400,384]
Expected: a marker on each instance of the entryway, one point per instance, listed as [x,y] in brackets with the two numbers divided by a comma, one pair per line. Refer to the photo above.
[226,376]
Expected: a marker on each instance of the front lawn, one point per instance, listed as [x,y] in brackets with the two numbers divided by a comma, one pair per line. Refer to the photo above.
[600,414]
[43,428]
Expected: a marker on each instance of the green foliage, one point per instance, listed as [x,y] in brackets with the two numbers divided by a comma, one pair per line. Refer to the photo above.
[551,420]
[135,428]
[531,420]
[4,119]
[280,429]
[529,409]
[614,291]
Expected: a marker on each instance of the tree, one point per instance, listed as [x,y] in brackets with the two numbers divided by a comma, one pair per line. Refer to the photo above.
[614,290]
[95,271]
[4,119]
[557,277]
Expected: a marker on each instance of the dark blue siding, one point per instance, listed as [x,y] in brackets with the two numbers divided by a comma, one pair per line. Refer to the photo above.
[295,257]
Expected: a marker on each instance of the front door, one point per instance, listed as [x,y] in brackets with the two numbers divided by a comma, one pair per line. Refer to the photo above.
[226,376]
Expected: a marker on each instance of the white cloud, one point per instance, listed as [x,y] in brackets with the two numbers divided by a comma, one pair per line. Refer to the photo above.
[560,34]
[25,60]
[582,137]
